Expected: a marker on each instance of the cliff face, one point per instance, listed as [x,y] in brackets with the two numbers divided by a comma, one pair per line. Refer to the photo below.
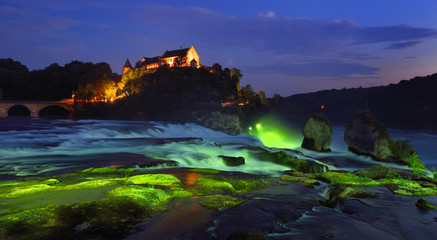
[411,103]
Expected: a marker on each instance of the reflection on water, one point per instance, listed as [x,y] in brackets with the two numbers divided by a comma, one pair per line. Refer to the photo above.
[191,178]
[182,216]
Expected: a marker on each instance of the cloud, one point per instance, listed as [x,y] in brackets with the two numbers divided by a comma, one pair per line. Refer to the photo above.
[268,14]
[279,35]
[402,45]
[392,34]
[334,69]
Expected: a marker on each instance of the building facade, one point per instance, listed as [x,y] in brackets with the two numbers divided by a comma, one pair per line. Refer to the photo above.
[186,57]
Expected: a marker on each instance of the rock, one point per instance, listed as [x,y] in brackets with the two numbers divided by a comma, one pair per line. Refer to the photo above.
[51,181]
[378,172]
[307,181]
[366,136]
[284,159]
[228,123]
[232,161]
[423,204]
[247,235]
[349,192]
[317,133]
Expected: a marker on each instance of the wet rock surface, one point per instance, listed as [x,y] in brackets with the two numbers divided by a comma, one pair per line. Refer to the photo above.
[317,133]
[232,161]
[366,136]
[228,123]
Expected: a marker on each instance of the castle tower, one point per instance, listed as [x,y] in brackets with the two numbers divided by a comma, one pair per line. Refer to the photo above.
[127,66]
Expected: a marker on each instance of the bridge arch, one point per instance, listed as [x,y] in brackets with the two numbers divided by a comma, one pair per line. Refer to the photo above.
[33,106]
[54,111]
[18,110]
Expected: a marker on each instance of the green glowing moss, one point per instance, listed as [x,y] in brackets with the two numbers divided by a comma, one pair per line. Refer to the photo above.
[180,193]
[378,171]
[248,185]
[282,183]
[411,188]
[346,178]
[28,189]
[165,180]
[210,185]
[51,181]
[145,196]
[218,202]
[107,170]
[348,192]
[305,180]
[90,184]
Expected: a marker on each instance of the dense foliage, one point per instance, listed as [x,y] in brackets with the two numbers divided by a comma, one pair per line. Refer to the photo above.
[86,80]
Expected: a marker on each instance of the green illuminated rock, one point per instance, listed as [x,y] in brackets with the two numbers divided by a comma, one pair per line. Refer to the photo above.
[378,171]
[218,202]
[210,185]
[348,192]
[166,180]
[317,133]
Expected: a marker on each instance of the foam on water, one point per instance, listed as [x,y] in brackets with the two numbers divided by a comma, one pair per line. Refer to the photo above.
[38,146]
[48,146]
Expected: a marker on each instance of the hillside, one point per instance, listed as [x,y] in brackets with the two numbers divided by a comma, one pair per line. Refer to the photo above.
[409,103]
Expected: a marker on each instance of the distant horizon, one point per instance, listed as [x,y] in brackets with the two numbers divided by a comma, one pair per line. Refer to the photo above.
[285,47]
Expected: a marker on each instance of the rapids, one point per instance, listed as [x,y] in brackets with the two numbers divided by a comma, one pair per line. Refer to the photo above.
[45,147]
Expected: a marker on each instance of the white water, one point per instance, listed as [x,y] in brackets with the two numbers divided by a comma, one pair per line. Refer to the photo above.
[29,147]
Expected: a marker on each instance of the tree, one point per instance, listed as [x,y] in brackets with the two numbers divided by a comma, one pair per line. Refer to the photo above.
[247,94]
[216,67]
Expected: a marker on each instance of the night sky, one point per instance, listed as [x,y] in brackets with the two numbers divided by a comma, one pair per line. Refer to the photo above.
[281,46]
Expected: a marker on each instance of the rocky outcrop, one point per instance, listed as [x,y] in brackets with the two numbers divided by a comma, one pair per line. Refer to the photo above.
[282,158]
[424,204]
[228,123]
[232,161]
[317,133]
[366,136]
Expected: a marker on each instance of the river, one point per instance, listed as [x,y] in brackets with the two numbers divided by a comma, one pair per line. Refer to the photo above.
[47,147]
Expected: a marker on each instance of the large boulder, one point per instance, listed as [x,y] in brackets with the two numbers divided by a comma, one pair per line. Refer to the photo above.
[366,136]
[317,133]
[225,122]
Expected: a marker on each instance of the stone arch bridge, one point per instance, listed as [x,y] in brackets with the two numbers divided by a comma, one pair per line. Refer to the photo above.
[34,107]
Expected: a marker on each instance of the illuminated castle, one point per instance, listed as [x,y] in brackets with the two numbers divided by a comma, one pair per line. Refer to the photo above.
[186,57]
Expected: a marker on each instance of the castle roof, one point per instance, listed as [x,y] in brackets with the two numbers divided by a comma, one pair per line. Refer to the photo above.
[147,61]
[127,64]
[175,53]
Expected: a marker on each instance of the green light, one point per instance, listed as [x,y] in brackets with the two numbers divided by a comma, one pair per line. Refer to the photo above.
[250,128]
[277,133]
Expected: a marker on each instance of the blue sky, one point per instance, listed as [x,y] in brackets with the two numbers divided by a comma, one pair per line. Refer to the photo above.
[281,46]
